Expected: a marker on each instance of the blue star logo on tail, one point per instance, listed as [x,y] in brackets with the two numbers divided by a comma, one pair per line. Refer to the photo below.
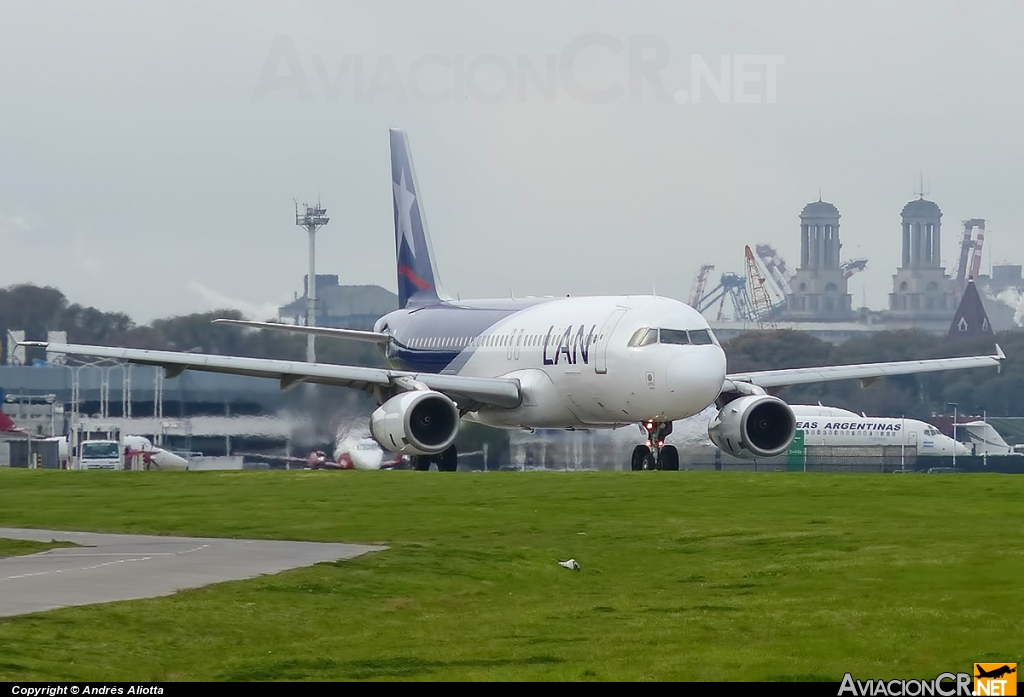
[404,201]
[416,277]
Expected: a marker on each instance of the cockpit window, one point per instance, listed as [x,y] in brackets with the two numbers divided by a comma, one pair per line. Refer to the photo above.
[646,336]
[700,337]
[643,337]
[674,336]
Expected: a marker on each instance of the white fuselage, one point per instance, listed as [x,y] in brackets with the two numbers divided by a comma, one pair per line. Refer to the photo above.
[572,356]
[842,428]
[163,459]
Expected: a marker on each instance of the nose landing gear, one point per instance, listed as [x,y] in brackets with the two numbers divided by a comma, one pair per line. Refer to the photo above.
[654,454]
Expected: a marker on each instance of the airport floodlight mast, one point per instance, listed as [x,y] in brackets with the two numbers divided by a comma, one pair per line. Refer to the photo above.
[312,220]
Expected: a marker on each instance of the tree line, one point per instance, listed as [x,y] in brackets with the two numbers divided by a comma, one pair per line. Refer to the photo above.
[37,311]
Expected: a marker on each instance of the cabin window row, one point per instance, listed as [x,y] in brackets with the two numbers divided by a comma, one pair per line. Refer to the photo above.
[496,340]
[829,432]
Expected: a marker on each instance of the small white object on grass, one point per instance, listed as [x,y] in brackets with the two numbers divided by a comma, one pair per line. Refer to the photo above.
[570,564]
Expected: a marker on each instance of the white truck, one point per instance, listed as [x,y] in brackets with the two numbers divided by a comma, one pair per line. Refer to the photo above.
[100,455]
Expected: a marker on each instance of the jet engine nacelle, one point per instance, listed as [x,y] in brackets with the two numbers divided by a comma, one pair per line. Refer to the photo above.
[754,426]
[419,422]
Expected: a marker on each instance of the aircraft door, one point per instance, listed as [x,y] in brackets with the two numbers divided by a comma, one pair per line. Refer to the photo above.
[604,337]
[912,439]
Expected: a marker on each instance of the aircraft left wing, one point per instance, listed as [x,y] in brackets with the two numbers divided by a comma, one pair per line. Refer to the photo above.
[865,372]
[353,334]
[468,392]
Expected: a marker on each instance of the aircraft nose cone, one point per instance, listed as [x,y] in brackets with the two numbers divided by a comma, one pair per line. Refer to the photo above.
[696,379]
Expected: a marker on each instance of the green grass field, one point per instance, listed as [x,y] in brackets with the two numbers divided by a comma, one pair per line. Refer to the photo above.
[11,548]
[685,576]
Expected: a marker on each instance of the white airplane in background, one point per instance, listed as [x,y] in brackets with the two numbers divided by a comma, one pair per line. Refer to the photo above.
[985,439]
[139,446]
[567,363]
[362,453]
[839,427]
[351,453]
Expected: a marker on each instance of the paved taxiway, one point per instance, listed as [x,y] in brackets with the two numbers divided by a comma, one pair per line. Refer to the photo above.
[106,567]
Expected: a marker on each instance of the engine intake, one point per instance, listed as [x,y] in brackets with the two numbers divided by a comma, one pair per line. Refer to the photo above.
[753,426]
[419,422]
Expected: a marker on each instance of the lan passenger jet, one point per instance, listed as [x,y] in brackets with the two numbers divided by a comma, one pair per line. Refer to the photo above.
[571,363]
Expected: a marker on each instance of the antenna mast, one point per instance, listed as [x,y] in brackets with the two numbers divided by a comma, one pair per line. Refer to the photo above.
[314,218]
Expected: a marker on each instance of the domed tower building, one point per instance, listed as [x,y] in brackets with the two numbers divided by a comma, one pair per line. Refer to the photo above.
[921,288]
[819,287]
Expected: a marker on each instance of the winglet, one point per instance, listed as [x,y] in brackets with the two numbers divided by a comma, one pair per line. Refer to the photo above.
[1000,356]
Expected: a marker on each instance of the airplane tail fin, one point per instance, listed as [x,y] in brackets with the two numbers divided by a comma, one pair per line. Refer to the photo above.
[986,439]
[7,425]
[417,275]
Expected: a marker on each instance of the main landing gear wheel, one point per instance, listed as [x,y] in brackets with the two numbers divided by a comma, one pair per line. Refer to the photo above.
[447,461]
[643,459]
[670,458]
[654,454]
[641,454]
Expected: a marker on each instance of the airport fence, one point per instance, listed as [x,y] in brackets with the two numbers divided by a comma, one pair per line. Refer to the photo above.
[836,464]
[884,465]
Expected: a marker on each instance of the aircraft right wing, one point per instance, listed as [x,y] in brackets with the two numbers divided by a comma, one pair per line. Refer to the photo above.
[468,392]
[865,372]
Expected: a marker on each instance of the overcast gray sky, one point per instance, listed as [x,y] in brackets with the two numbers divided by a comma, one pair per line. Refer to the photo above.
[150,151]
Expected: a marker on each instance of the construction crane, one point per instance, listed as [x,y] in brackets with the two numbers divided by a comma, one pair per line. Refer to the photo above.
[779,272]
[976,260]
[699,283]
[762,302]
[970,252]
[734,287]
[853,266]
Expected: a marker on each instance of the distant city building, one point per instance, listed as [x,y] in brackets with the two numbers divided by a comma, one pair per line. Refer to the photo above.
[1004,276]
[921,289]
[352,307]
[819,287]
